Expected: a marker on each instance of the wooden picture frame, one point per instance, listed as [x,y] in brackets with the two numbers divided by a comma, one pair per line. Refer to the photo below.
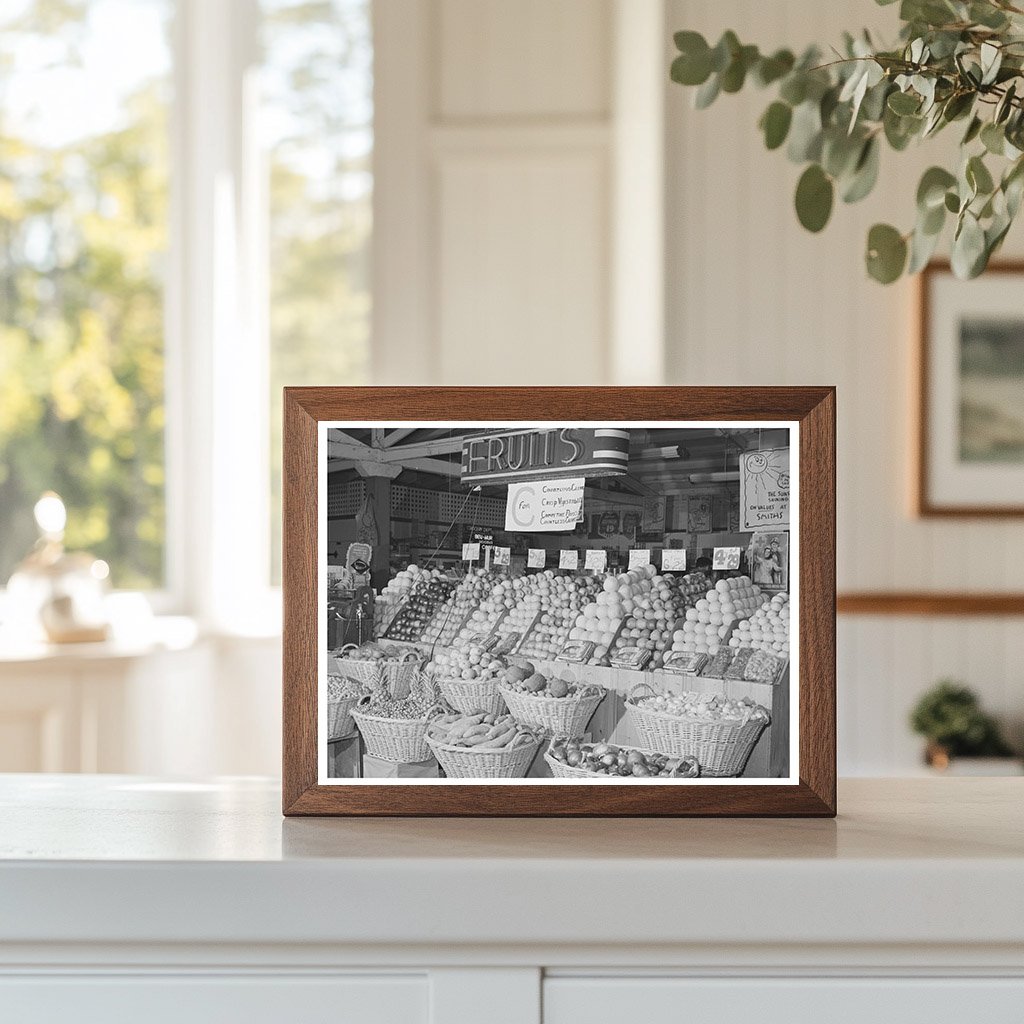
[812,792]
[925,503]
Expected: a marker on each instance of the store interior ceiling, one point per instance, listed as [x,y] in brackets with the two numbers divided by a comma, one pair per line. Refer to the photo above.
[660,458]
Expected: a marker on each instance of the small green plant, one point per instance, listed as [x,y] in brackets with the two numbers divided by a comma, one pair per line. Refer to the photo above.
[956,61]
[950,717]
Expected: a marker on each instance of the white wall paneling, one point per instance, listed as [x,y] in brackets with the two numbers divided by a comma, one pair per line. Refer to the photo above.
[751,298]
[515,229]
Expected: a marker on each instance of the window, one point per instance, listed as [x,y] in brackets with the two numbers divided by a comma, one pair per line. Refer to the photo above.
[83,236]
[317,117]
[240,217]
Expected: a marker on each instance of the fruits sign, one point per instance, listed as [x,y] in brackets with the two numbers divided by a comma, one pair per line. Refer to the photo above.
[513,455]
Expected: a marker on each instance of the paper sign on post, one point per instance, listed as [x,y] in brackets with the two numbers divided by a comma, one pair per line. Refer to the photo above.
[726,558]
[639,557]
[764,489]
[673,560]
[596,559]
[502,556]
[544,506]
[536,558]
[568,559]
[471,552]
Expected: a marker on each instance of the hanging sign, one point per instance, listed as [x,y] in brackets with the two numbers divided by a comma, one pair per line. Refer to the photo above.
[725,558]
[764,489]
[545,506]
[501,556]
[471,552]
[544,454]
[673,560]
[639,557]
[536,558]
[568,559]
[596,559]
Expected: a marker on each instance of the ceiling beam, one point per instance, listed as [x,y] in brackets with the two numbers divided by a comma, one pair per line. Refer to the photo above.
[442,466]
[396,435]
[347,449]
[424,449]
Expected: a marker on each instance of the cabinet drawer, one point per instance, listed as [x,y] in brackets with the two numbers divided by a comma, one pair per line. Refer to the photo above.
[202,999]
[568,1000]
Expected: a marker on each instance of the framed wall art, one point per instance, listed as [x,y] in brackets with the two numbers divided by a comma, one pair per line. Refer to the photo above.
[470,661]
[970,423]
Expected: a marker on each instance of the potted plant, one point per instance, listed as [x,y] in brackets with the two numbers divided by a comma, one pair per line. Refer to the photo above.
[950,718]
[956,62]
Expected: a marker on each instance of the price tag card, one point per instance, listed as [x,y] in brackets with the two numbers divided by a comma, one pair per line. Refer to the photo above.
[596,559]
[502,556]
[673,560]
[507,643]
[471,552]
[481,639]
[536,558]
[726,558]
[576,651]
[631,657]
[568,559]
[684,663]
[639,557]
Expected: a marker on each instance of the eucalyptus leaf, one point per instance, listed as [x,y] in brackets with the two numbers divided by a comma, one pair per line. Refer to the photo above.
[707,93]
[814,195]
[775,124]
[978,176]
[865,174]
[993,138]
[973,130]
[724,51]
[805,133]
[931,190]
[771,69]
[904,103]
[922,248]
[886,253]
[968,247]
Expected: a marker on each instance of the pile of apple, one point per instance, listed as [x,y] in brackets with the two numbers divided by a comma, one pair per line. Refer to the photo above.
[623,762]
[706,625]
[419,607]
[563,599]
[471,662]
[767,629]
[525,678]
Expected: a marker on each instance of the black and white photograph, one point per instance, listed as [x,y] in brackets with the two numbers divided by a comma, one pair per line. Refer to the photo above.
[492,610]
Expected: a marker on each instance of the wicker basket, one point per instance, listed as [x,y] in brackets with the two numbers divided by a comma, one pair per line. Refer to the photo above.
[401,740]
[395,675]
[720,747]
[471,695]
[686,769]
[558,716]
[339,718]
[474,763]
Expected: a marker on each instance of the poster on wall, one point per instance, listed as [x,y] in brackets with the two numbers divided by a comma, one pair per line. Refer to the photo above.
[653,520]
[768,557]
[698,514]
[764,489]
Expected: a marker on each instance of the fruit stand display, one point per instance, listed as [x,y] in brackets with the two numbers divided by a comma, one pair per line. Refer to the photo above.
[494,644]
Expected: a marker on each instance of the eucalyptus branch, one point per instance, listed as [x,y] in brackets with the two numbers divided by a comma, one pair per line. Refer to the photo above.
[954,60]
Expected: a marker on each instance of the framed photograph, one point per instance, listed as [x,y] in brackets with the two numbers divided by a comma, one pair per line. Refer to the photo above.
[970,444]
[443,678]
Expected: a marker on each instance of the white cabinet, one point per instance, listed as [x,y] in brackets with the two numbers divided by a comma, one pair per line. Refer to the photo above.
[829,1000]
[202,999]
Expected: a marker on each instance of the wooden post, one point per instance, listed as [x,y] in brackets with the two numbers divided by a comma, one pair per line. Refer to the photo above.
[378,490]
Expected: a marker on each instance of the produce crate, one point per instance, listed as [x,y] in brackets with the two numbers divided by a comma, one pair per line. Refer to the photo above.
[559,716]
[474,763]
[688,768]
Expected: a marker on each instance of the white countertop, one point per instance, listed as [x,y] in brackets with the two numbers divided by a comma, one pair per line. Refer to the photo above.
[120,859]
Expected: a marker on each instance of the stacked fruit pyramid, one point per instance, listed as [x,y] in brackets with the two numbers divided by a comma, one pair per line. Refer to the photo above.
[563,600]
